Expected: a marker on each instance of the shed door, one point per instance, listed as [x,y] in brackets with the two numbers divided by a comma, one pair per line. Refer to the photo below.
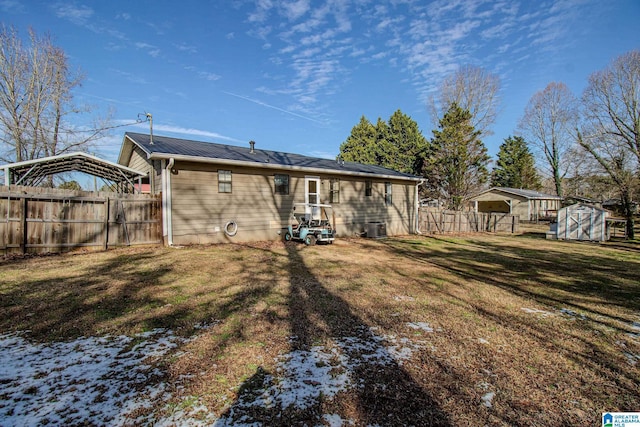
[580,224]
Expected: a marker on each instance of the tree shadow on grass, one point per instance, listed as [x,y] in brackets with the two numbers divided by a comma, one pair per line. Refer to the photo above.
[123,293]
[340,346]
[578,286]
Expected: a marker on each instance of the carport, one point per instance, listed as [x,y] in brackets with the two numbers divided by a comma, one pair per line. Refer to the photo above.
[33,172]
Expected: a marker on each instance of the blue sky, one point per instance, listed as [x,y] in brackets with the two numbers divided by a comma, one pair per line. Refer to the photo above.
[297,75]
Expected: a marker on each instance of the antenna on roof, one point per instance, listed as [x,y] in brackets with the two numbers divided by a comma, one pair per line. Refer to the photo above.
[148,118]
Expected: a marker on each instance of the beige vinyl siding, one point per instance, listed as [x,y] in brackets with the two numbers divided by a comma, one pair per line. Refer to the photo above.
[153,168]
[200,212]
[355,209]
[138,161]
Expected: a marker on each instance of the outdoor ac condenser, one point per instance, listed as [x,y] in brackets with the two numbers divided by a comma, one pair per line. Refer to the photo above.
[376,230]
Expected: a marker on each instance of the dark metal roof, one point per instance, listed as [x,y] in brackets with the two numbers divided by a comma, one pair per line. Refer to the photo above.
[529,194]
[33,172]
[166,147]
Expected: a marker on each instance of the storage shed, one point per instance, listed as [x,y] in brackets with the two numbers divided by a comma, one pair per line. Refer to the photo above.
[582,222]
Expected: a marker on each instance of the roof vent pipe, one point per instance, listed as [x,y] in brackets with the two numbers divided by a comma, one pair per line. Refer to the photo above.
[253,146]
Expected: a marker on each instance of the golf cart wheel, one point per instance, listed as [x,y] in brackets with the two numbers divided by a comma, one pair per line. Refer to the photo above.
[287,237]
[310,240]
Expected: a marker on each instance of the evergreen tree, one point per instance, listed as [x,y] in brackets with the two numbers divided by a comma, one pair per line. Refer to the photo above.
[360,146]
[397,144]
[70,185]
[383,149]
[515,166]
[409,145]
[456,167]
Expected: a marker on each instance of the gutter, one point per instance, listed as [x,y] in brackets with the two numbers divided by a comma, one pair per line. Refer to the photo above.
[166,201]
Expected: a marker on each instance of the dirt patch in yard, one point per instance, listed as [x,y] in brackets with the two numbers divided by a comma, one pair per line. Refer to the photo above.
[470,330]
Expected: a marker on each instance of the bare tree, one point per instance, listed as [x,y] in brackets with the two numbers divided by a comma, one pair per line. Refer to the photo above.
[473,89]
[549,122]
[611,128]
[612,102]
[619,164]
[36,100]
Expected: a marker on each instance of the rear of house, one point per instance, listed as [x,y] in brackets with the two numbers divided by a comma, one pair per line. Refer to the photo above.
[217,193]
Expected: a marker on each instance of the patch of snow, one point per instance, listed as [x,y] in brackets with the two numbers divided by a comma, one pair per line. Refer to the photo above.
[483,341]
[420,325]
[484,385]
[335,420]
[636,327]
[543,313]
[487,399]
[206,325]
[572,313]
[403,298]
[304,377]
[109,380]
[632,358]
[97,379]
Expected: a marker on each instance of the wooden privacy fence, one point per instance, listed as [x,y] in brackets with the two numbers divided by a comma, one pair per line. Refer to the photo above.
[37,220]
[441,221]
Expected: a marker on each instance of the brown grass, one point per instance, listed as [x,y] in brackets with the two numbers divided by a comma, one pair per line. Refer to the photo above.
[545,369]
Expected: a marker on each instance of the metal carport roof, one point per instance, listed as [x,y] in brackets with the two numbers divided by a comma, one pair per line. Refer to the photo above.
[33,172]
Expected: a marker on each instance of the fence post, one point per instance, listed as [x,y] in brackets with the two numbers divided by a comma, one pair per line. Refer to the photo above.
[106,224]
[25,235]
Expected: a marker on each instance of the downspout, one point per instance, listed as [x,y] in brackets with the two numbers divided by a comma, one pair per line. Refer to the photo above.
[167,200]
[417,225]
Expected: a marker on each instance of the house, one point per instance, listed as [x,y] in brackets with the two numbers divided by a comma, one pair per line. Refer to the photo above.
[217,193]
[529,204]
[582,222]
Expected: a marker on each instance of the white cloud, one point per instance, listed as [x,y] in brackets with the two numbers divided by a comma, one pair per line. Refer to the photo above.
[187,131]
[261,13]
[293,10]
[12,6]
[273,107]
[209,76]
[184,47]
[133,78]
[76,14]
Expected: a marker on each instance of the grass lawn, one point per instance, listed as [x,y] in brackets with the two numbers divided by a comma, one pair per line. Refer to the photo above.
[469,330]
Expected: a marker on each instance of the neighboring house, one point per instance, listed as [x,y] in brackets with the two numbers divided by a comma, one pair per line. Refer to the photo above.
[216,193]
[529,204]
[615,205]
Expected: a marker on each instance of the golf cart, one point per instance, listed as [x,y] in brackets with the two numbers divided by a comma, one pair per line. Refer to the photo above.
[312,224]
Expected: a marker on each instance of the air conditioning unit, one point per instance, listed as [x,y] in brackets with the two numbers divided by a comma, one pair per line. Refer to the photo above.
[376,230]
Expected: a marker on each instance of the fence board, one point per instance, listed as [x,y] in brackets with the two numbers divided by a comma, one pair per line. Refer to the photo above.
[52,220]
[435,221]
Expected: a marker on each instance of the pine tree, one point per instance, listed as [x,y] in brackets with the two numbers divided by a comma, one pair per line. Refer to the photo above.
[515,166]
[409,144]
[360,146]
[456,167]
[397,144]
